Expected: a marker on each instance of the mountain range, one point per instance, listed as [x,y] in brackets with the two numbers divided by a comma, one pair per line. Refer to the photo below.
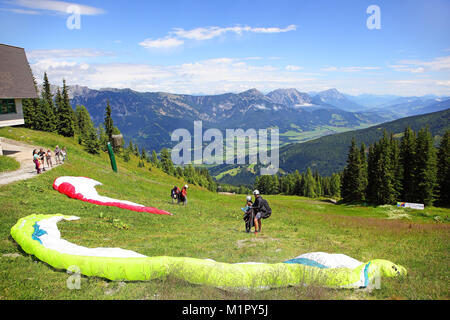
[148,118]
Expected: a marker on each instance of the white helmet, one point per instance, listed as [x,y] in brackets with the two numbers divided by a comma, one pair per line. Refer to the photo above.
[249,198]
[186,186]
[255,192]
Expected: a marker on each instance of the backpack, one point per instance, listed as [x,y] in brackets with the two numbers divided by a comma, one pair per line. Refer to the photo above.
[175,192]
[267,210]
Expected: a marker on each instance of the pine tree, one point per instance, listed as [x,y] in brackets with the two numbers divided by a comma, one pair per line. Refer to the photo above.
[443,171]
[408,165]
[372,173]
[109,125]
[290,184]
[318,183]
[103,139]
[386,190]
[363,172]
[130,147]
[47,93]
[178,172]
[167,164]
[58,106]
[397,170]
[335,185]
[84,124]
[65,114]
[425,175]
[298,188]
[352,184]
[30,108]
[126,155]
[276,184]
[309,189]
[91,141]
[143,154]
[47,121]
[154,159]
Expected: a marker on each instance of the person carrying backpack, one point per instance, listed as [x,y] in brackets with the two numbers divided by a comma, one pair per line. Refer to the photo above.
[183,195]
[175,193]
[262,209]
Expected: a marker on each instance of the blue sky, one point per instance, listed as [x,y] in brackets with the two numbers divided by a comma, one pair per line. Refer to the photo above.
[210,47]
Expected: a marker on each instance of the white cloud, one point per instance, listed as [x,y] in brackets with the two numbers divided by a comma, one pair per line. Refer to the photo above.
[293,68]
[21,11]
[208,76]
[55,6]
[175,37]
[445,83]
[164,43]
[220,75]
[65,53]
[206,33]
[348,69]
[419,66]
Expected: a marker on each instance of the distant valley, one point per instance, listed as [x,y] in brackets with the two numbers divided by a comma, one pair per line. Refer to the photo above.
[328,154]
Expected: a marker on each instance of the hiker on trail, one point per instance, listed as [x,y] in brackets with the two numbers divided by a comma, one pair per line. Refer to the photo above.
[175,193]
[48,157]
[41,154]
[64,154]
[57,155]
[262,210]
[183,195]
[36,161]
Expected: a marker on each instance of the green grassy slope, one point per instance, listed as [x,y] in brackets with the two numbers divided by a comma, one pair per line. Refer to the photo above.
[210,226]
[8,164]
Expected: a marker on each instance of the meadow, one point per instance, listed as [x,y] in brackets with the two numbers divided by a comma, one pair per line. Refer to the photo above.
[211,226]
[8,164]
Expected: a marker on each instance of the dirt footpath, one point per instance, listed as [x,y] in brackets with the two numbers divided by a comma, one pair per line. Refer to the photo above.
[23,153]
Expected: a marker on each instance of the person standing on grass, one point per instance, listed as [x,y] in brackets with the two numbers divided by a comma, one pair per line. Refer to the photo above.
[248,214]
[36,161]
[41,154]
[183,195]
[262,210]
[175,193]
[48,157]
[57,155]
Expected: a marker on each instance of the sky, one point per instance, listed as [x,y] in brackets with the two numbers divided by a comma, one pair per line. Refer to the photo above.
[399,47]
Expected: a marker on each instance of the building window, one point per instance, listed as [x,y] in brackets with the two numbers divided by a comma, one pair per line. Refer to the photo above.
[7,106]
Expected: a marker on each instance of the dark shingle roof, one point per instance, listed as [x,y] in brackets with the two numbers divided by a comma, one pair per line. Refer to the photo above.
[16,79]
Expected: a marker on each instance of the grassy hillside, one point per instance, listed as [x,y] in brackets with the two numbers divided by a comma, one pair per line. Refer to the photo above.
[211,226]
[8,164]
[329,154]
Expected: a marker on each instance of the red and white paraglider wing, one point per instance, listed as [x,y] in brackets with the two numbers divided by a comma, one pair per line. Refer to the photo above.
[83,188]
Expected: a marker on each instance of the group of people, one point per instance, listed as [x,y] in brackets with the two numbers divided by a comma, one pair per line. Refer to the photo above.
[179,195]
[41,157]
[255,211]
